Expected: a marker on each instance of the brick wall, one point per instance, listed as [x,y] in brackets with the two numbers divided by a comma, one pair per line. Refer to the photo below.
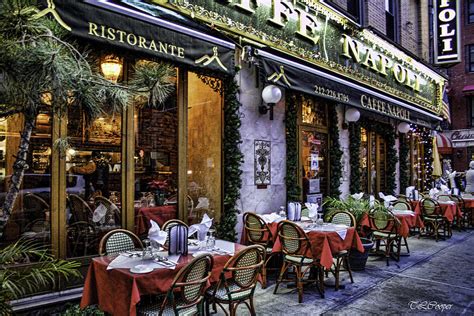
[409,25]
[375,14]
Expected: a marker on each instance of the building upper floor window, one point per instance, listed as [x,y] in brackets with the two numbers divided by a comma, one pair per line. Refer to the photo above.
[470,102]
[391,19]
[470,58]
[470,11]
[353,8]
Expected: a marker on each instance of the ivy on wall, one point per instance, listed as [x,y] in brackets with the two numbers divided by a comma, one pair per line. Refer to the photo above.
[354,157]
[233,159]
[293,190]
[335,154]
[404,164]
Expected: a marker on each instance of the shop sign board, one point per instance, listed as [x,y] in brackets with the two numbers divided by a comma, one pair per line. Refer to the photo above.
[447,44]
[462,135]
[141,29]
[316,33]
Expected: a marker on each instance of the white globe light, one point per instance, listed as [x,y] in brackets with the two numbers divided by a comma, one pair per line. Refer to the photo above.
[352,115]
[403,127]
[271,94]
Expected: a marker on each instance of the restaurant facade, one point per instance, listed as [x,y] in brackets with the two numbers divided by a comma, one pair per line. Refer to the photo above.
[324,107]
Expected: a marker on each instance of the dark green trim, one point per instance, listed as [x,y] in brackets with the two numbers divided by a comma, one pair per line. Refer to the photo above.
[335,154]
[293,189]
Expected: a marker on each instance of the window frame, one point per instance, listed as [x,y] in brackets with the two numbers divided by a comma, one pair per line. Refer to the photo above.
[360,5]
[469,58]
[469,12]
[393,13]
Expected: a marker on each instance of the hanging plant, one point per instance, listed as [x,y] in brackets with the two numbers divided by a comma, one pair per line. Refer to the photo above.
[233,159]
[354,157]
[293,190]
[404,166]
[335,154]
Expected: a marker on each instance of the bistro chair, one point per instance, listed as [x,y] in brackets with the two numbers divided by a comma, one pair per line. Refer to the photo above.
[342,257]
[81,239]
[432,217]
[80,210]
[193,217]
[112,216]
[385,228]
[467,219]
[186,294]
[295,246]
[258,233]
[404,198]
[244,269]
[35,205]
[403,206]
[167,227]
[118,240]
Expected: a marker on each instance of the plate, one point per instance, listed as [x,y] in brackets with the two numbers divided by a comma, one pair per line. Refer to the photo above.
[141,268]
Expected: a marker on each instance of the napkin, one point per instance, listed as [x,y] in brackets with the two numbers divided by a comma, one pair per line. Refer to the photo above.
[99,214]
[451,177]
[270,218]
[433,192]
[201,228]
[387,199]
[358,196]
[371,201]
[155,234]
[312,209]
[445,189]
[409,191]
[291,211]
[203,202]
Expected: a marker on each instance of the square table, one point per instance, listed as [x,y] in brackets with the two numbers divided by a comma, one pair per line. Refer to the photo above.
[160,214]
[118,291]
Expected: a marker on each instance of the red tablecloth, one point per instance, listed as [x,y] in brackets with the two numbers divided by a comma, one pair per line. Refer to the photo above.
[324,244]
[469,203]
[406,222]
[118,291]
[450,211]
[273,229]
[159,214]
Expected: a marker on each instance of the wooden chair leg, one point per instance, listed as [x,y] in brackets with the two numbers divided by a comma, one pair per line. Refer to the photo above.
[348,267]
[252,307]
[264,277]
[336,273]
[280,277]
[299,284]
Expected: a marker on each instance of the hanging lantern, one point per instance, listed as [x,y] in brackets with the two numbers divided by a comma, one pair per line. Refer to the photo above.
[403,127]
[352,115]
[111,66]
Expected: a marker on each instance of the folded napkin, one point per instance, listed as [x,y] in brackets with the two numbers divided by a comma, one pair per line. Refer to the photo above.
[203,202]
[312,209]
[445,189]
[155,234]
[371,200]
[387,198]
[99,214]
[201,228]
[409,191]
[358,196]
[271,218]
[433,192]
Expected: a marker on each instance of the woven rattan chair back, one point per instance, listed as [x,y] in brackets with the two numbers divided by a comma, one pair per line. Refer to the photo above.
[293,239]
[404,198]
[192,280]
[257,230]
[245,267]
[118,240]
[382,220]
[444,198]
[401,206]
[112,216]
[343,218]
[458,200]
[35,202]
[429,207]
[80,210]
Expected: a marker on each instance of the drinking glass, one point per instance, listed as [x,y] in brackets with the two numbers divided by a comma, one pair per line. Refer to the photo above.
[320,221]
[211,240]
[144,200]
[147,248]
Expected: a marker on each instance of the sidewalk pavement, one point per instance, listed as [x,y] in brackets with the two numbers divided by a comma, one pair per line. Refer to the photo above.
[437,278]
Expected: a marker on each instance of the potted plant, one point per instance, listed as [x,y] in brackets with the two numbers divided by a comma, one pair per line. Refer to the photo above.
[20,277]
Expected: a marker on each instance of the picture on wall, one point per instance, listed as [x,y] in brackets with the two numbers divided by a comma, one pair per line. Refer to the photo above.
[262,162]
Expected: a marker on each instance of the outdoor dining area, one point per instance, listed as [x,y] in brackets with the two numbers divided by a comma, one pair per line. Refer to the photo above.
[185,269]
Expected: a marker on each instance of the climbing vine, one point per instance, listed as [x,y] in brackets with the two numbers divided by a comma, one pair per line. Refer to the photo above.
[354,158]
[335,154]
[233,159]
[293,190]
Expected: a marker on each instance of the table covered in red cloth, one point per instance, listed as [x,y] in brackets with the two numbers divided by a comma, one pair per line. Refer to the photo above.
[326,243]
[118,291]
[407,221]
[160,214]
[450,210]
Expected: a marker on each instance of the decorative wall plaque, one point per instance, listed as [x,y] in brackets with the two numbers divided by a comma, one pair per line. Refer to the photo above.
[262,165]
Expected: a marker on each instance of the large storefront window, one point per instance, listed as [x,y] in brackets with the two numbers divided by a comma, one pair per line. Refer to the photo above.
[30,216]
[372,162]
[204,149]
[93,181]
[313,136]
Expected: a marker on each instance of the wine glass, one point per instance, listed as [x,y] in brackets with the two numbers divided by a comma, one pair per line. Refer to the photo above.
[144,200]
[211,240]
[146,247]
[320,221]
